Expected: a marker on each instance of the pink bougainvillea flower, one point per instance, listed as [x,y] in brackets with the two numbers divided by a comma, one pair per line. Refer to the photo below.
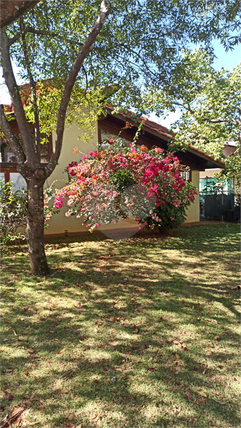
[10,397]
[79,304]
[156,175]
[234,378]
[188,395]
[185,349]
[151,369]
[26,308]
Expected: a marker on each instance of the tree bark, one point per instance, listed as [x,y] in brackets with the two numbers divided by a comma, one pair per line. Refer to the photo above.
[11,10]
[35,226]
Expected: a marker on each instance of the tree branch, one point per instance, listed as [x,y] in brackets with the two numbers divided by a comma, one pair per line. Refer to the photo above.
[11,138]
[69,84]
[16,101]
[186,107]
[33,86]
[39,33]
[12,10]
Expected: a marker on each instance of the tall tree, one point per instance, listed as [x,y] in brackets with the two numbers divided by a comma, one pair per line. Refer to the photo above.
[209,103]
[67,41]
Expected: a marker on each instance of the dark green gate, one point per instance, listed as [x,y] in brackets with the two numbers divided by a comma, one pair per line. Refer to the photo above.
[216,202]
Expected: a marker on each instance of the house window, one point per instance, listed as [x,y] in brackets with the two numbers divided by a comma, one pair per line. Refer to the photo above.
[8,163]
[186,173]
[105,135]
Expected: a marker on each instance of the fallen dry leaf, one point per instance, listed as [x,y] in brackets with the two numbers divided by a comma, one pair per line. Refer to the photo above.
[177,342]
[202,394]
[30,351]
[64,391]
[60,352]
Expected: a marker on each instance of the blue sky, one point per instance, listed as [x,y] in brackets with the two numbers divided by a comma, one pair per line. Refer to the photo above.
[226,59]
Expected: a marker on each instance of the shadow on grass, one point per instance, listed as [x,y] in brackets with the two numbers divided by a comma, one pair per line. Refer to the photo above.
[133,334]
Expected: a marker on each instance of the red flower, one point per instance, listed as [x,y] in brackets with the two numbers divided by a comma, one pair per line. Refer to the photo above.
[143,148]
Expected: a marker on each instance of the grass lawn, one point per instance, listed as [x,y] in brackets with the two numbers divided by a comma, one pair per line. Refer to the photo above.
[139,333]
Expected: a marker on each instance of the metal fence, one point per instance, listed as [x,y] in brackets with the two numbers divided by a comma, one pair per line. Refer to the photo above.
[216,206]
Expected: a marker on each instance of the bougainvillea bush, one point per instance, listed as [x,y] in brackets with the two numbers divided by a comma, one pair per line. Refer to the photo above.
[127,182]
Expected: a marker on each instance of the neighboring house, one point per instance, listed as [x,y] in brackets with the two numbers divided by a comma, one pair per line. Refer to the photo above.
[110,125]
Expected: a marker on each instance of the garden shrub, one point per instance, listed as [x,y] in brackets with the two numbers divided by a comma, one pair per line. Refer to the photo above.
[121,182]
[13,212]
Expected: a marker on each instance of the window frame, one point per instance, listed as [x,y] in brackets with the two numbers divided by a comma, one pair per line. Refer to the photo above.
[8,167]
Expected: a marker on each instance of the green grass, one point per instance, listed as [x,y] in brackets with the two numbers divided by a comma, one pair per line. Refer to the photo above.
[153,341]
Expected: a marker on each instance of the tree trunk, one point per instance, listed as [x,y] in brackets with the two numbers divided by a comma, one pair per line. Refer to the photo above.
[35,226]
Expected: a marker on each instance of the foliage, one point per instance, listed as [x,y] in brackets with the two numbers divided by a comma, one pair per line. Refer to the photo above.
[209,102]
[127,182]
[14,211]
[132,48]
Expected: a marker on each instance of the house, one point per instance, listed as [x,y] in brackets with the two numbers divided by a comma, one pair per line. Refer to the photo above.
[109,125]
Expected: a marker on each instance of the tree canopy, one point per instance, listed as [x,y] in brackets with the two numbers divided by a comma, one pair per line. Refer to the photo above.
[209,104]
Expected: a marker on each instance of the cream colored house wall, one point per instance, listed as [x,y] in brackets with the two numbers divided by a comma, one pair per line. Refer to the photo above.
[209,173]
[59,223]
[193,211]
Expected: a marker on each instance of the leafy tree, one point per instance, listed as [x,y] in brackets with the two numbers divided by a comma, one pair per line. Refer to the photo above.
[210,105]
[67,42]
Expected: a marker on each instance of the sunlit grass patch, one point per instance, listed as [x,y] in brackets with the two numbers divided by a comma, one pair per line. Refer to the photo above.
[140,333]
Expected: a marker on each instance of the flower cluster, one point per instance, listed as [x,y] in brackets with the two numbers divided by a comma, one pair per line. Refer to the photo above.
[143,184]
